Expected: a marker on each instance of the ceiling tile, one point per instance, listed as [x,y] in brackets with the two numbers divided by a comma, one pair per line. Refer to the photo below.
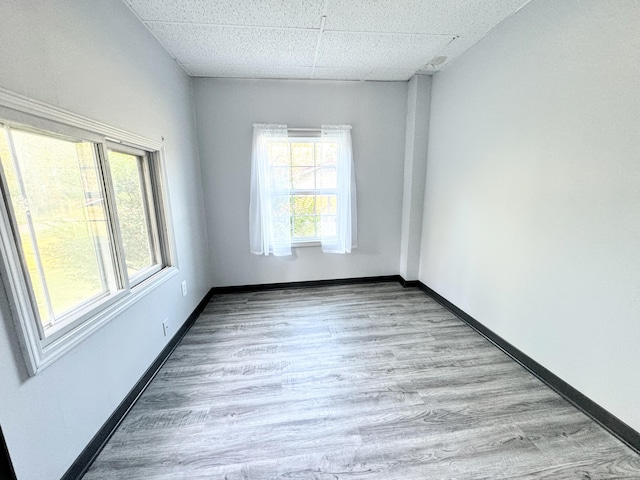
[239,71]
[361,50]
[301,13]
[340,73]
[419,16]
[362,39]
[237,45]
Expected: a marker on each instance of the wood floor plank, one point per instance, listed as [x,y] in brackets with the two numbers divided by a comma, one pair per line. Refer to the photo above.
[365,382]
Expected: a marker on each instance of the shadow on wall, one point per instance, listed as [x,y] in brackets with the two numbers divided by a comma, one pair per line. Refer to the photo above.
[12,337]
[6,468]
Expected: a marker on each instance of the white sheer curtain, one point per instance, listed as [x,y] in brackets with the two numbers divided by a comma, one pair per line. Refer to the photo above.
[339,232]
[269,209]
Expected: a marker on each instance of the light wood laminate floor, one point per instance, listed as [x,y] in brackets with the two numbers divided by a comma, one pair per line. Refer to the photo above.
[364,382]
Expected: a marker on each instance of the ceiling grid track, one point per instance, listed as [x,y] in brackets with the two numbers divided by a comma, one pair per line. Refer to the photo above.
[315,56]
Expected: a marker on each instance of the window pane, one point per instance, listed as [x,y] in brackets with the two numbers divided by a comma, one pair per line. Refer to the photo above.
[326,153]
[278,153]
[303,178]
[327,204]
[59,210]
[280,205]
[328,178]
[21,219]
[302,154]
[126,174]
[280,178]
[280,219]
[303,204]
[304,226]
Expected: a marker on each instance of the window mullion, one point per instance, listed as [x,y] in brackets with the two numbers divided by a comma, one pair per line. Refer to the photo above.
[115,238]
[30,226]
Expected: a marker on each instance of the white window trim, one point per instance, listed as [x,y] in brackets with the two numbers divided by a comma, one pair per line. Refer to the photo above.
[154,214]
[39,352]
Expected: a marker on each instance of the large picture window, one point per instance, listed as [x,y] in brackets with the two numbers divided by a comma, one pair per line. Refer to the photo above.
[85,228]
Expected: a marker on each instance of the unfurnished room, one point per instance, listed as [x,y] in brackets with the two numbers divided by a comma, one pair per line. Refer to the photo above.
[319,239]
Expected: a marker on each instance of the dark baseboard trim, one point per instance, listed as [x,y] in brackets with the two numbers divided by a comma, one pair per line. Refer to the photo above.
[409,283]
[608,421]
[97,443]
[307,284]
[6,467]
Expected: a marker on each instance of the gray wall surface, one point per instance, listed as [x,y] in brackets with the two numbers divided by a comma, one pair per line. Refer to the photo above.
[226,111]
[415,165]
[96,59]
[532,206]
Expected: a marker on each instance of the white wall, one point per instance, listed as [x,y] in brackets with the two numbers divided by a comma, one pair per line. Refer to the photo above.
[94,58]
[532,210]
[225,112]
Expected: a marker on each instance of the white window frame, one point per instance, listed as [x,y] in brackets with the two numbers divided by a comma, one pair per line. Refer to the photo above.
[154,215]
[40,351]
[306,136]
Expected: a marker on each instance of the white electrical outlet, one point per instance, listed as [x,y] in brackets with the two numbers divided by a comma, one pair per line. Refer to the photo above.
[184,288]
[165,327]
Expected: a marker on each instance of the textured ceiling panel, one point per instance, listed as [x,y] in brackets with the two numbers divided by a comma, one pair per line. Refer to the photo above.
[339,49]
[340,73]
[280,13]
[237,45]
[358,39]
[453,17]
[203,70]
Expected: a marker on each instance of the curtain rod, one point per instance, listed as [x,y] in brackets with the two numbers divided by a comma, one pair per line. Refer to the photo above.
[304,129]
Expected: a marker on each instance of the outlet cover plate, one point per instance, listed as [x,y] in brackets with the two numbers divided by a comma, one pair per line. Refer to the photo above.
[165,327]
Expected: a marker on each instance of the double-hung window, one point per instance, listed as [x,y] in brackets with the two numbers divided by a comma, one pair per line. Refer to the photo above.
[303,189]
[85,229]
[307,169]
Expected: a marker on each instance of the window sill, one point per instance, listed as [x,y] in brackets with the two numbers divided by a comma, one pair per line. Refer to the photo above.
[306,244]
[39,356]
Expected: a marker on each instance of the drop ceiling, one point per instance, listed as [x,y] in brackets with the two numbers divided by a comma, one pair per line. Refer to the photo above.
[319,39]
